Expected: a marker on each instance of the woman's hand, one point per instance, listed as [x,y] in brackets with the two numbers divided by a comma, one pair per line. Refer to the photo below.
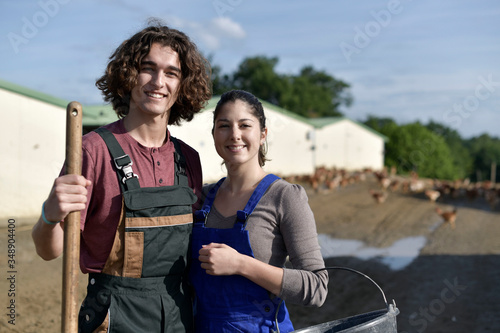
[220,259]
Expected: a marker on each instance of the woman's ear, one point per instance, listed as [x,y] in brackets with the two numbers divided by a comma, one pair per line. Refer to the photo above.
[263,136]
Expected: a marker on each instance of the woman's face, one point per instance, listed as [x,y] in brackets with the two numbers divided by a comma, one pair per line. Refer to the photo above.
[237,134]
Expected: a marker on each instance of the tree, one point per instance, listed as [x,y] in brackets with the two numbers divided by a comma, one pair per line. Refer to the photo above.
[416,148]
[412,147]
[312,93]
[485,150]
[378,123]
[461,156]
[220,82]
[316,94]
[257,76]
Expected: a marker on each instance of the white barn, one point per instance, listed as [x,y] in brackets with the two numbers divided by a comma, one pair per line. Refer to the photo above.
[346,144]
[32,148]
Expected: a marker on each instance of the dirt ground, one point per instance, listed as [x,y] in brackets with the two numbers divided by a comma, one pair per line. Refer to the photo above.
[452,286]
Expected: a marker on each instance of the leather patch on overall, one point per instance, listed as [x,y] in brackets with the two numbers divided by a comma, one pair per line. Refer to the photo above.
[125,258]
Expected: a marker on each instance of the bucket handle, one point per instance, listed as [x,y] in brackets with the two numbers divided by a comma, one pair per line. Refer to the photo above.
[331,268]
[359,273]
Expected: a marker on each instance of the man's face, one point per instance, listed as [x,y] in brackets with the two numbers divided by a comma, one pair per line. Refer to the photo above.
[158,82]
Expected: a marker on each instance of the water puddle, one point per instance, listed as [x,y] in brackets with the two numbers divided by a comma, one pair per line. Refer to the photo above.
[436,225]
[396,257]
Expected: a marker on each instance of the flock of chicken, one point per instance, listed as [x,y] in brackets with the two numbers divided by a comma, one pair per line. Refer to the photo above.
[325,179]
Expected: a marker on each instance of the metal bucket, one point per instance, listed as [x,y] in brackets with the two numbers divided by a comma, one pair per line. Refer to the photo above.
[379,321]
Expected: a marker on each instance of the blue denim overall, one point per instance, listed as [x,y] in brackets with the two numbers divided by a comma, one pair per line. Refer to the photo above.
[143,285]
[232,303]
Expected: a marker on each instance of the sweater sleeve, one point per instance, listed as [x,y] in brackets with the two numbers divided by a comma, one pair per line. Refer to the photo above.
[298,227]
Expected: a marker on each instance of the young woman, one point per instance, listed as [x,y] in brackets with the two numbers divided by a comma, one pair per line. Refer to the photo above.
[250,223]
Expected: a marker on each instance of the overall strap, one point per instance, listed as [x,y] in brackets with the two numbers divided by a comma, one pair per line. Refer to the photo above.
[201,215]
[126,177]
[242,215]
[180,164]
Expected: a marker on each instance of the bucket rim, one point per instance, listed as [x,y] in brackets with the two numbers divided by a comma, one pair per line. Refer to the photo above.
[385,314]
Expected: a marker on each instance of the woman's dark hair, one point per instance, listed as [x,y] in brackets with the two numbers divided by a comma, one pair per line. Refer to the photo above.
[121,74]
[257,110]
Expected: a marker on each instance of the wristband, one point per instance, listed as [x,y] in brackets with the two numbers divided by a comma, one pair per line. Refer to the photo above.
[45,219]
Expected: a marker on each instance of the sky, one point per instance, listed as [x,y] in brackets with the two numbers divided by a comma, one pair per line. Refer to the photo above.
[408,60]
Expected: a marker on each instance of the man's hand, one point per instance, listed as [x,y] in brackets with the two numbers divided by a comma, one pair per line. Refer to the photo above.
[68,194]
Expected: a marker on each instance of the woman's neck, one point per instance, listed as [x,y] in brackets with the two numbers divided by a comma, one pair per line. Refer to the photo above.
[243,179]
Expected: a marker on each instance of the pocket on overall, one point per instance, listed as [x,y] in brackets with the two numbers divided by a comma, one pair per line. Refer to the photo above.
[162,216]
[143,318]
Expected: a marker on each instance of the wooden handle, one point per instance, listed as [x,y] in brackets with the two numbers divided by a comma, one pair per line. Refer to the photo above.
[71,258]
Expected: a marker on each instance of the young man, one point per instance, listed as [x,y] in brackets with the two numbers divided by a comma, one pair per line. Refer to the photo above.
[137,189]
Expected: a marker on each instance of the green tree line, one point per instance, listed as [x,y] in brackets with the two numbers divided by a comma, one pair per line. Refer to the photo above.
[433,150]
[437,151]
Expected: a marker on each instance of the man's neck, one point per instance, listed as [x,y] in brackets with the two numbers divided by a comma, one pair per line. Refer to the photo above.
[148,132]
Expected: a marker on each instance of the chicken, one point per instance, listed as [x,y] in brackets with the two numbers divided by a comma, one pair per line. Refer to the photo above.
[385,182]
[379,196]
[492,197]
[314,184]
[395,185]
[448,216]
[472,193]
[380,175]
[433,195]
[334,182]
[416,186]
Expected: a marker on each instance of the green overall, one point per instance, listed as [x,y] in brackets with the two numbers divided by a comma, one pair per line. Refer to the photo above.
[142,287]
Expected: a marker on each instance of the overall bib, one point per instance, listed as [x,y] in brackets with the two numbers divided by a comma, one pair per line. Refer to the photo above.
[232,303]
[142,287]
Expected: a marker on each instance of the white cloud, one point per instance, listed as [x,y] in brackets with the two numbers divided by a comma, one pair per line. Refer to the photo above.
[211,41]
[212,34]
[227,28]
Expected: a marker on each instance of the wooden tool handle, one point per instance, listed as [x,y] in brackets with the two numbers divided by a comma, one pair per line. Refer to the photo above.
[71,258]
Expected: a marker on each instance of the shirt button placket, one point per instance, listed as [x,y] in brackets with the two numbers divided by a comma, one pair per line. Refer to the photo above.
[154,156]
[156,160]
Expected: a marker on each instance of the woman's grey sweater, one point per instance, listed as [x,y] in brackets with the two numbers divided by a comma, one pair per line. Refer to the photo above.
[282,225]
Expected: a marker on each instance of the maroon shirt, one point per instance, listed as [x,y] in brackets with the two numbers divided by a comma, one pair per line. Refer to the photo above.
[154,166]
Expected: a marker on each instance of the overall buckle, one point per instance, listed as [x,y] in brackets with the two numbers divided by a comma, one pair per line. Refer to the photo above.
[124,163]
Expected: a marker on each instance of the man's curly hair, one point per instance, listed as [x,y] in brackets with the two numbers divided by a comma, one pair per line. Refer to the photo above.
[121,74]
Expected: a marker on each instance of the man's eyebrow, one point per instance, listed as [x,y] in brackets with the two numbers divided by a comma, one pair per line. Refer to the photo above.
[148,62]
[174,68]
[154,64]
